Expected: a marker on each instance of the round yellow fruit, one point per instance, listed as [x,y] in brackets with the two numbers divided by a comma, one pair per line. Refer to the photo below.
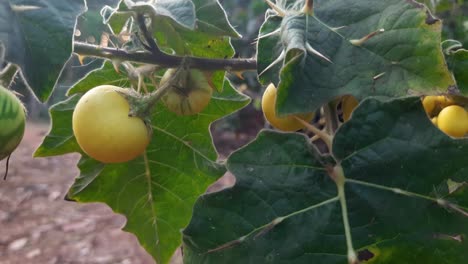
[104,130]
[190,93]
[287,123]
[453,121]
[348,105]
[433,103]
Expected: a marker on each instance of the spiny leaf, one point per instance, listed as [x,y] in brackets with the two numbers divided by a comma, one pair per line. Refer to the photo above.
[364,48]
[33,29]
[284,206]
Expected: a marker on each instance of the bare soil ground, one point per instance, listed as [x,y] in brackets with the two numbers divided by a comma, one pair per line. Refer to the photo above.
[37,226]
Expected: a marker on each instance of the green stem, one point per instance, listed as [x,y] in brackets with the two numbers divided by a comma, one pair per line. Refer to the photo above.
[338,175]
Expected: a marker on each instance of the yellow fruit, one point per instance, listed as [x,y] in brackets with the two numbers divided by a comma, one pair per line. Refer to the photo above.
[434,103]
[348,105]
[104,130]
[453,121]
[190,94]
[434,120]
[287,123]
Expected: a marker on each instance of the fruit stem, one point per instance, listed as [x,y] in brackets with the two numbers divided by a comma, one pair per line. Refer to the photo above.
[6,167]
[331,118]
[327,138]
[150,100]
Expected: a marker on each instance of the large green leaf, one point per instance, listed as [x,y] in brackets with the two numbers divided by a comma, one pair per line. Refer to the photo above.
[319,57]
[288,207]
[156,192]
[37,36]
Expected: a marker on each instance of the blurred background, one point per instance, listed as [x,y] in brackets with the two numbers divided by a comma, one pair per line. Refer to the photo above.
[38,226]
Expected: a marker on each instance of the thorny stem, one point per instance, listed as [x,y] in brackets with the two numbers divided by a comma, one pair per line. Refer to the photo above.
[164,60]
[278,9]
[153,55]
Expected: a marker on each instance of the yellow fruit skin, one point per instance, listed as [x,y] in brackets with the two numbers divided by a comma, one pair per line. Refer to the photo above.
[287,123]
[348,105]
[436,102]
[104,130]
[453,121]
[191,92]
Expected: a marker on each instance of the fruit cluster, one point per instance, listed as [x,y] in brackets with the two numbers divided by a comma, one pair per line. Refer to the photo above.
[106,127]
[290,123]
[449,117]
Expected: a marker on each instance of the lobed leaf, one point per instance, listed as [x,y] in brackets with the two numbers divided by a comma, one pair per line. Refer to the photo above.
[287,208]
[156,191]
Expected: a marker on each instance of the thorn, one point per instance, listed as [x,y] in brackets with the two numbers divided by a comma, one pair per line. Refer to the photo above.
[278,60]
[273,33]
[337,28]
[278,9]
[378,76]
[457,209]
[308,7]
[81,58]
[457,238]
[314,51]
[22,8]
[359,42]
[238,74]
[116,64]
[269,227]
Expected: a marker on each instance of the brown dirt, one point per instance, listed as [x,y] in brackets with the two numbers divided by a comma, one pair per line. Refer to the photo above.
[38,226]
